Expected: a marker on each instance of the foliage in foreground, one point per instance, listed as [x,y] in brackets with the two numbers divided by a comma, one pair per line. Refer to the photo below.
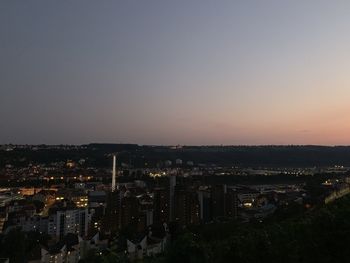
[320,236]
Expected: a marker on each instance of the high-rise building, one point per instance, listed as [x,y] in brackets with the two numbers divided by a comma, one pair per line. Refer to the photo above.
[187,208]
[160,205]
[112,219]
[64,221]
[231,203]
[172,185]
[224,201]
[218,200]
[129,210]
[205,206]
[146,211]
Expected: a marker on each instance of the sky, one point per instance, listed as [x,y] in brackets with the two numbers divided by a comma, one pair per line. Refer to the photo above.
[191,72]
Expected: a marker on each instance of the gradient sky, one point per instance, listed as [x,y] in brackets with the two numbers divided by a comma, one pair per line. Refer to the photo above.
[175,72]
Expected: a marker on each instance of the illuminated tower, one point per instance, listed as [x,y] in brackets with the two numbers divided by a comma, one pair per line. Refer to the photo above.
[112,219]
[114,172]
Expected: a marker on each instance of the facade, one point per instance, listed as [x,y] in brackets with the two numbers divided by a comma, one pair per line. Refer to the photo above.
[218,199]
[54,256]
[129,210]
[63,222]
[224,202]
[68,250]
[145,246]
[231,203]
[187,208]
[161,205]
[205,208]
[112,219]
[34,223]
[172,185]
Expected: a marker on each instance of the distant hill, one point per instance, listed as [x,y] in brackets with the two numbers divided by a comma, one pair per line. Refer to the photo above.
[150,156]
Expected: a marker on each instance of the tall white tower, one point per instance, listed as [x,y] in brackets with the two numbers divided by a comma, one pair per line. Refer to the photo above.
[114,172]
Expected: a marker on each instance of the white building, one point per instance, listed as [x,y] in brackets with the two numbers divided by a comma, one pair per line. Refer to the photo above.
[178,161]
[75,221]
[146,246]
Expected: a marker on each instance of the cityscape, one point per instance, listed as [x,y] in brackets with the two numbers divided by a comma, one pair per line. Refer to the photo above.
[189,131]
[126,203]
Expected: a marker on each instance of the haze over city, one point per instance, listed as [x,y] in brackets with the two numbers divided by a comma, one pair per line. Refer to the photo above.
[179,72]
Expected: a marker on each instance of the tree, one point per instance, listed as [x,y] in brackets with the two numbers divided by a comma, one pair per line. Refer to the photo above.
[13,245]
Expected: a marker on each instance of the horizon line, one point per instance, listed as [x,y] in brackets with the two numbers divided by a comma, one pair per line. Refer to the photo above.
[178,145]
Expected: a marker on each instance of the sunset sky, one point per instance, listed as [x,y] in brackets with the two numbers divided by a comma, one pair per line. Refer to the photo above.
[175,72]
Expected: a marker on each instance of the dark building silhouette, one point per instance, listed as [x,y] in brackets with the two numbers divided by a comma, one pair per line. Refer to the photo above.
[112,219]
[172,185]
[145,218]
[224,202]
[231,203]
[218,200]
[186,204]
[205,205]
[129,210]
[161,205]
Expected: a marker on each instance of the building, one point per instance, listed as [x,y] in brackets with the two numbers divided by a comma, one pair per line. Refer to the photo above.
[160,205]
[33,223]
[145,212]
[205,207]
[112,218]
[187,208]
[129,210]
[218,200]
[65,221]
[231,203]
[224,202]
[172,185]
[68,250]
[149,245]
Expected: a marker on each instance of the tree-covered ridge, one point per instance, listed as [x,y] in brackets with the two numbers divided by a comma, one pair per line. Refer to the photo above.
[321,235]
[97,155]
